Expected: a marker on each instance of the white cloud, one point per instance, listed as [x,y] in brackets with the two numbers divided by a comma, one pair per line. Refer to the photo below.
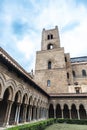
[44,14]
[26,46]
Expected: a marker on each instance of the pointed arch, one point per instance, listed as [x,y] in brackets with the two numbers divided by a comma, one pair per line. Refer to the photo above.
[35,102]
[18,96]
[51,111]
[82,112]
[31,100]
[74,114]
[25,98]
[66,111]
[58,111]
[8,93]
[11,83]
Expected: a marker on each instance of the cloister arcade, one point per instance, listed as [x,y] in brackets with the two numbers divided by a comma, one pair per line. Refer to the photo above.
[22,100]
[74,111]
[18,105]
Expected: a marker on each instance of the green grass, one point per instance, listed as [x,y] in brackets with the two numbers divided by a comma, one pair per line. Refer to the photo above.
[63,126]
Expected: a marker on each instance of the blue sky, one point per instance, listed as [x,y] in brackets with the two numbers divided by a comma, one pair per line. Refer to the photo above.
[22,21]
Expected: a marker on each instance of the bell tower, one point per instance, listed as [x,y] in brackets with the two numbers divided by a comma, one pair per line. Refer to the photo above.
[50,39]
[50,67]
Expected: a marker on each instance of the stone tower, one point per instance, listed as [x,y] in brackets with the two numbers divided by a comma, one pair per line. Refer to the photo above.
[50,67]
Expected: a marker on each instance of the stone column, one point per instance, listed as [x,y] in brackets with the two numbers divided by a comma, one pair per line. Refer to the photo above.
[78,114]
[17,114]
[40,113]
[34,113]
[30,113]
[19,106]
[70,113]
[37,113]
[24,112]
[62,113]
[44,113]
[54,111]
[8,111]
[47,113]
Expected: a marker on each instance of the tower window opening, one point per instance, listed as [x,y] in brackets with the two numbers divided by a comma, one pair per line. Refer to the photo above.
[65,59]
[50,36]
[50,46]
[49,65]
[68,75]
[48,83]
[74,74]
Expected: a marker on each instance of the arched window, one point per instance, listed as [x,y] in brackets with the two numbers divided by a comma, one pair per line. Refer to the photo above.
[49,65]
[65,59]
[48,83]
[73,72]
[50,36]
[50,46]
[83,73]
[68,75]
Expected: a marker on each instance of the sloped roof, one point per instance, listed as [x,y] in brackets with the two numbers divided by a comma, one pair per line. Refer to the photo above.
[79,59]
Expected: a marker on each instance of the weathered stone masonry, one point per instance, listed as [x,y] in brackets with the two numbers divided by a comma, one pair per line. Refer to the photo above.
[58,88]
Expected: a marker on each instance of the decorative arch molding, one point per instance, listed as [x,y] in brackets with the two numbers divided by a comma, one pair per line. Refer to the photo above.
[31,100]
[52,102]
[35,101]
[25,91]
[38,102]
[20,87]
[2,79]
[11,83]
[10,93]
[2,84]
[19,94]
[51,110]
[25,98]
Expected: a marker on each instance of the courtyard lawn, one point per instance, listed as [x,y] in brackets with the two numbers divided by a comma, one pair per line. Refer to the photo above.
[61,126]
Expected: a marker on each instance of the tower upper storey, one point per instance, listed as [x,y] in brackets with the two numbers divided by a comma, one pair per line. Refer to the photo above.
[50,39]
